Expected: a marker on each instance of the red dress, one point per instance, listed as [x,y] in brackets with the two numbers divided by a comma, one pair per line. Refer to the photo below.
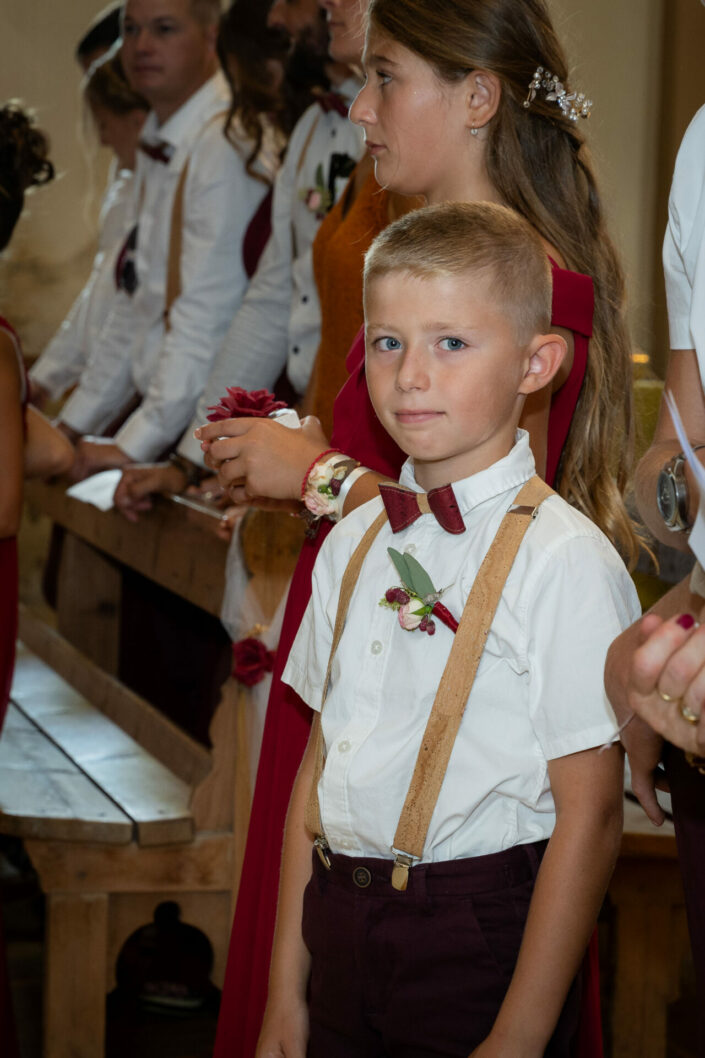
[358,433]
[8,635]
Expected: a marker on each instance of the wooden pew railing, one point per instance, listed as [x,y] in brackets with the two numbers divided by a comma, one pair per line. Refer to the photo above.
[121,809]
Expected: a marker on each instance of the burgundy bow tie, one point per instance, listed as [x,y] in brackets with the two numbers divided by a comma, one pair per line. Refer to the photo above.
[328,101]
[160,152]
[404,506]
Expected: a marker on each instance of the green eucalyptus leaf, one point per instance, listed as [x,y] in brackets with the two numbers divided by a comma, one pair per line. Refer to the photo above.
[399,561]
[420,581]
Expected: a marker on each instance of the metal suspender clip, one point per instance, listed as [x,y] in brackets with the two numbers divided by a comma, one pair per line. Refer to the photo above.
[321,846]
[400,872]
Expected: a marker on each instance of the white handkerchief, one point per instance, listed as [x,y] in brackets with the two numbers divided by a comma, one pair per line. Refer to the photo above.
[99,489]
[696,539]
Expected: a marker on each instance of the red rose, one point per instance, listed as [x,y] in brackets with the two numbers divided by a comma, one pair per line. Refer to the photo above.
[251,660]
[241,404]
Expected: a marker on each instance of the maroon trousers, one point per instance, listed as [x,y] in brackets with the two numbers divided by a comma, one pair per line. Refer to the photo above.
[418,974]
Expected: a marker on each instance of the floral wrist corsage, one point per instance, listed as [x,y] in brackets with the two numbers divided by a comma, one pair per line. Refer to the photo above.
[325,486]
[417,602]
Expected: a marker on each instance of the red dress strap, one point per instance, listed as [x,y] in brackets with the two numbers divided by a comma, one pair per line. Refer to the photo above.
[573,306]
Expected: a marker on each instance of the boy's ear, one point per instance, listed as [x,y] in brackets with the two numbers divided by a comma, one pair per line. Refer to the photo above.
[546,353]
[483,93]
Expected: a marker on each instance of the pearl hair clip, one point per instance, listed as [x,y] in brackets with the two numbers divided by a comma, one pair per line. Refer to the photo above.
[574,104]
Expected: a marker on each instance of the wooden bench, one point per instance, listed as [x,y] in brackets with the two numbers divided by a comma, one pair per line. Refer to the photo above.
[651,942]
[120,809]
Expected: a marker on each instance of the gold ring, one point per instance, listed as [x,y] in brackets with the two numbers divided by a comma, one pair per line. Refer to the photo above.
[668,698]
[688,714]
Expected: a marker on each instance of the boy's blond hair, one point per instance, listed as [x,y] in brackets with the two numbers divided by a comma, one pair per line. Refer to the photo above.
[462,239]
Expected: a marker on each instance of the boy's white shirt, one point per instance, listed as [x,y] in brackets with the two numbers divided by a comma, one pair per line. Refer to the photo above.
[538,693]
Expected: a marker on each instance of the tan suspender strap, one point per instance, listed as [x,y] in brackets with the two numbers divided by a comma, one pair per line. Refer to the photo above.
[455,685]
[312,815]
[173,260]
[458,678]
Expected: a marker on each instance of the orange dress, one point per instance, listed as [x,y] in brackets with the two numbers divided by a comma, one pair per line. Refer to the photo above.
[338,251]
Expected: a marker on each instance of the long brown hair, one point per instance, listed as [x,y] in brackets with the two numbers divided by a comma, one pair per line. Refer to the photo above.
[537,160]
[246,45]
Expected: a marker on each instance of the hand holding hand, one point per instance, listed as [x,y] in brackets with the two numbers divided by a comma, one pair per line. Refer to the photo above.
[94,454]
[259,459]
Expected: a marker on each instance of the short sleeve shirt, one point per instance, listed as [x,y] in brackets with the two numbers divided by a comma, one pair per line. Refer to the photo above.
[538,693]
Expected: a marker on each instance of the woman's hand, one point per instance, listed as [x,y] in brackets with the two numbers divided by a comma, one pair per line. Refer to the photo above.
[284,1032]
[667,680]
[259,460]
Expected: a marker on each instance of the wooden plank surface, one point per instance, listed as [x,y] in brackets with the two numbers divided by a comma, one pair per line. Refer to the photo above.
[206,864]
[147,791]
[169,544]
[44,795]
[147,725]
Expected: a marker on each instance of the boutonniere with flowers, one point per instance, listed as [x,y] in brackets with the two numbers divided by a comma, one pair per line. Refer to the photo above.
[416,601]
[318,198]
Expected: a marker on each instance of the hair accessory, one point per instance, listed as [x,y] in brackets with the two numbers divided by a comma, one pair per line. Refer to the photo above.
[573,104]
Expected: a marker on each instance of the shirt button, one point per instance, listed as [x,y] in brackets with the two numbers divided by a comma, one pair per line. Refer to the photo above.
[410,549]
[344,746]
[305,299]
[294,348]
[376,647]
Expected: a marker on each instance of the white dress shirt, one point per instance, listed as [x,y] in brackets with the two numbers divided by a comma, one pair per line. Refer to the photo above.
[279,321]
[538,693]
[66,355]
[134,353]
[684,245]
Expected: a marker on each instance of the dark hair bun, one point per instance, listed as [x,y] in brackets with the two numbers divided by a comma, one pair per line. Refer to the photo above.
[23,151]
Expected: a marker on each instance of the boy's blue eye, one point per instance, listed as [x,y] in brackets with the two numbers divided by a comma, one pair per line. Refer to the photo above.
[452,345]
[388,345]
[382,77]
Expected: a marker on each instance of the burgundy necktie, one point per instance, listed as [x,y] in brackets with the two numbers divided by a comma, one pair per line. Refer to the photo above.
[160,152]
[328,101]
[404,506]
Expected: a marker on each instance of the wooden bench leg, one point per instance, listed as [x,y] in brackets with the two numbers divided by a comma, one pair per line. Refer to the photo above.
[75,975]
[651,943]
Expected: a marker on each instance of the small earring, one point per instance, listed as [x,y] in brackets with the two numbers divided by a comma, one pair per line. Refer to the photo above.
[473,131]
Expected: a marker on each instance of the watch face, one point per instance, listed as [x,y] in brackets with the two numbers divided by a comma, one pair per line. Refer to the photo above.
[666,498]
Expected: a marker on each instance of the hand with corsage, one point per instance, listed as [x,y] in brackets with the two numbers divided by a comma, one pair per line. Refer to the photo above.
[258,461]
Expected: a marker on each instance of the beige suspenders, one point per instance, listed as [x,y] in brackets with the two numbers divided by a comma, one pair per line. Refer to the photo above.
[453,690]
[173,260]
